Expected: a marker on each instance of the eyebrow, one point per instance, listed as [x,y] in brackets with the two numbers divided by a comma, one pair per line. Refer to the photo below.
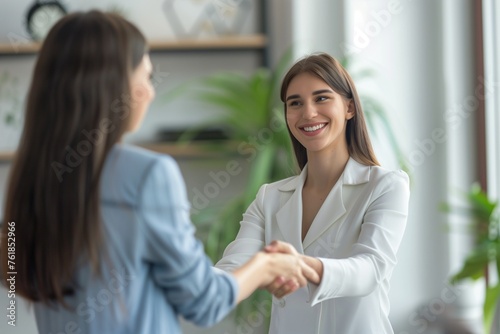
[316,92]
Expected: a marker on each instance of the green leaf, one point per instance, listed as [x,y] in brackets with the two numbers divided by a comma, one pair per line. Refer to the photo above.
[225,101]
[224,227]
[475,264]
[482,207]
[497,260]
[490,304]
[234,86]
[260,172]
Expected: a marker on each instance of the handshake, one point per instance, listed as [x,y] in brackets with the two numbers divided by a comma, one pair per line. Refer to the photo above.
[279,269]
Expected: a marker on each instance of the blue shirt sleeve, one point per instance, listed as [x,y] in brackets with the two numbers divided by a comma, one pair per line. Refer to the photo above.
[176,258]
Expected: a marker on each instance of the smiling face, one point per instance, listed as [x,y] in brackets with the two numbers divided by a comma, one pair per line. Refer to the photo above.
[317,115]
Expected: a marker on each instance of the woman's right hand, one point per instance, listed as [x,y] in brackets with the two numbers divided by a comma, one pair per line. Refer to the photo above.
[281,287]
[265,268]
[289,268]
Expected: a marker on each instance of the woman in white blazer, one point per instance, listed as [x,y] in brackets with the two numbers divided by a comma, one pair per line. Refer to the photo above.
[343,214]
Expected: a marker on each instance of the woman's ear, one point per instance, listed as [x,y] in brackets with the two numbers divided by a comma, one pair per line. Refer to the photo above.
[351,110]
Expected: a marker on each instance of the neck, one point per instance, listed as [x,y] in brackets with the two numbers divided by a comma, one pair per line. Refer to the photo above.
[325,168]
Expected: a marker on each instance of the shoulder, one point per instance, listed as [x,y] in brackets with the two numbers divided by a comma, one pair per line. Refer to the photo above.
[375,180]
[386,182]
[356,173]
[128,167]
[380,174]
[282,185]
[134,156]
[270,193]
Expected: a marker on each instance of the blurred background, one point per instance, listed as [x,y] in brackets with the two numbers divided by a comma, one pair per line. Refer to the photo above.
[428,73]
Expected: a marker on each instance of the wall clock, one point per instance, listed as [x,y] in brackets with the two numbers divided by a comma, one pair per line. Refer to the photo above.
[41,16]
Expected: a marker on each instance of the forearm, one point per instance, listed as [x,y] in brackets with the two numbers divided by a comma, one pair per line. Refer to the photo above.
[251,276]
[355,276]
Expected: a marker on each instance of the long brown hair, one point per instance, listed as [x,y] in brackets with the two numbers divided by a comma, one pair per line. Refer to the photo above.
[330,70]
[77,108]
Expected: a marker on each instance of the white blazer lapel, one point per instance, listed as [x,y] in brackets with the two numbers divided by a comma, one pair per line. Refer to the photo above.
[330,212]
[289,216]
[333,208]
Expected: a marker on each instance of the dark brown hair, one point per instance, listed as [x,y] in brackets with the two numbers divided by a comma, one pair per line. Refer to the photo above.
[328,69]
[77,108]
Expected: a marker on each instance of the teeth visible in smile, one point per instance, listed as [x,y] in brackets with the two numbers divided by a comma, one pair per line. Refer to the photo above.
[314,128]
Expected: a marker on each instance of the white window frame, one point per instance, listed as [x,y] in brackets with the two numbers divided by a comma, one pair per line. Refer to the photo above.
[491,42]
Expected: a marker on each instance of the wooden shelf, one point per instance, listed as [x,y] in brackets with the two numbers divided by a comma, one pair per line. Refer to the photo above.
[256,41]
[202,149]
[226,42]
[19,48]
[6,156]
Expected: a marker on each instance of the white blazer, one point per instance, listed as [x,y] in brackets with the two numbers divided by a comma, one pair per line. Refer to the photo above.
[356,234]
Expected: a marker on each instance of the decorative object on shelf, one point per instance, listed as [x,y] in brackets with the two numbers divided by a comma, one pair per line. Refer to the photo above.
[118,9]
[216,17]
[485,226]
[10,112]
[10,101]
[41,17]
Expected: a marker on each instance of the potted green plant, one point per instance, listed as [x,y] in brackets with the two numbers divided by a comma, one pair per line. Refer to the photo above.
[482,212]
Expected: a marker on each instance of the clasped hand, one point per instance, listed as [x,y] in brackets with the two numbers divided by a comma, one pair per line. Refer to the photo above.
[297,269]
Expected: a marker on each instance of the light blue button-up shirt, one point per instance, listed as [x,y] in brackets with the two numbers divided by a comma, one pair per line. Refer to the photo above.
[153,268]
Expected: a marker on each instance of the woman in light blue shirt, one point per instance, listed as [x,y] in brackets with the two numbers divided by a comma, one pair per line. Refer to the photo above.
[101,232]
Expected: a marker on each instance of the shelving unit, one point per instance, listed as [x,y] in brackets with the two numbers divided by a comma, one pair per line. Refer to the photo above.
[257,42]
[243,42]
